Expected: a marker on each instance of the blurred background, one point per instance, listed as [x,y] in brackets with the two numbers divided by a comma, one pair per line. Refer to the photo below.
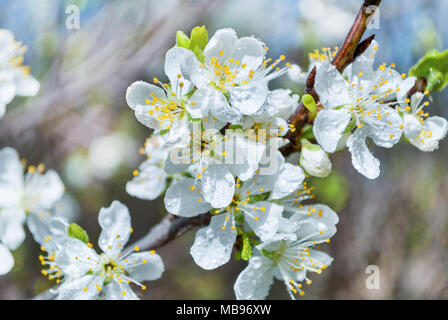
[79,124]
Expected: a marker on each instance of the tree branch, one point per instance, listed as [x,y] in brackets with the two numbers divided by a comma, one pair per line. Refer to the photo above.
[350,49]
[168,229]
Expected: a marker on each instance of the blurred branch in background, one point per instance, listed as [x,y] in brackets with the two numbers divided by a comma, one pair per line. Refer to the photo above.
[103,56]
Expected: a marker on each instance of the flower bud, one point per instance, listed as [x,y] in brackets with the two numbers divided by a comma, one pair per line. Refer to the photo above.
[315,160]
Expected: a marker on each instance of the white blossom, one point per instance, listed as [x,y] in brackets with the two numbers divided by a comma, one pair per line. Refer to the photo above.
[85,275]
[15,79]
[233,80]
[362,103]
[290,254]
[423,132]
[34,194]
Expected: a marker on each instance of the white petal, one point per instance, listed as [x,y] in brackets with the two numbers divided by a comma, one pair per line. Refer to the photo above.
[26,85]
[176,59]
[221,109]
[314,222]
[75,288]
[362,159]
[144,266]
[223,40]
[115,223]
[248,155]
[142,115]
[384,127]
[218,185]
[75,258]
[248,98]
[43,191]
[329,127]
[264,223]
[11,227]
[140,91]
[250,52]
[149,183]
[44,227]
[434,129]
[6,260]
[119,291]
[290,178]
[254,282]
[212,246]
[11,177]
[412,127]
[198,105]
[296,74]
[182,201]
[331,87]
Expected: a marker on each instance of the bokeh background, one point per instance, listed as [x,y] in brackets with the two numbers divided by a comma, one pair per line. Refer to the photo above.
[80,125]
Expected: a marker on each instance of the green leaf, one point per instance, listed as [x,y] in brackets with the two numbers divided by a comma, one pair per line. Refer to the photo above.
[198,38]
[246,253]
[75,231]
[182,40]
[434,68]
[310,104]
[307,133]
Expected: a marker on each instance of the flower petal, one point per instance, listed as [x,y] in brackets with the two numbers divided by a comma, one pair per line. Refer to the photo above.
[43,191]
[181,200]
[218,185]
[119,291]
[329,127]
[412,127]
[263,218]
[434,129]
[212,246]
[384,126]
[248,155]
[11,227]
[138,92]
[331,87]
[80,288]
[248,98]
[289,180]
[11,177]
[362,159]
[115,223]
[26,85]
[223,40]
[144,266]
[176,60]
[254,282]
[221,109]
[149,183]
[75,258]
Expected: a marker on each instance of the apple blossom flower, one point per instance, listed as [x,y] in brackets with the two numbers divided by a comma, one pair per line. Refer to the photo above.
[233,79]
[15,79]
[36,193]
[423,132]
[87,275]
[290,254]
[257,205]
[361,103]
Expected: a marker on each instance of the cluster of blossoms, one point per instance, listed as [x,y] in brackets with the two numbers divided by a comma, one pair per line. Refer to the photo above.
[216,148]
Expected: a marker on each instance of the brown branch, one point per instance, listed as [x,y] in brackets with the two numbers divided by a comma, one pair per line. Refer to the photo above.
[168,229]
[350,49]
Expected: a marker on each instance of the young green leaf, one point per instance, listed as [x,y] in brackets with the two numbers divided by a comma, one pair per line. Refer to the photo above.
[182,40]
[434,68]
[310,104]
[246,253]
[75,231]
